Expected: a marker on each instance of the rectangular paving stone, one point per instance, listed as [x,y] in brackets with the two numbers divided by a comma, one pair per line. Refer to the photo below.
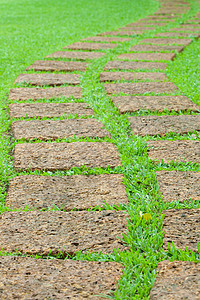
[140,87]
[122,32]
[156,48]
[165,41]
[141,27]
[51,65]
[149,23]
[177,280]
[154,103]
[186,29]
[64,156]
[33,232]
[182,227]
[37,93]
[176,185]
[48,110]
[107,39]
[133,65]
[48,79]
[90,46]
[57,129]
[113,76]
[147,56]
[178,34]
[29,278]
[76,55]
[68,192]
[160,125]
[178,150]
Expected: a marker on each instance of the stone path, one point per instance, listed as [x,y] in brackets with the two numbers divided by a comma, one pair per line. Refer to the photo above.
[44,231]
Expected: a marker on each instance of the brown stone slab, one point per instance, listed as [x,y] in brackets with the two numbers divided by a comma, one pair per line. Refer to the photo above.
[165,41]
[113,76]
[147,56]
[29,278]
[90,46]
[140,87]
[149,23]
[154,103]
[132,65]
[64,156]
[48,79]
[76,55]
[48,110]
[156,48]
[106,39]
[37,93]
[154,17]
[186,29]
[182,227]
[178,34]
[51,65]
[40,232]
[178,150]
[177,280]
[136,28]
[122,32]
[176,185]
[57,129]
[68,192]
[160,125]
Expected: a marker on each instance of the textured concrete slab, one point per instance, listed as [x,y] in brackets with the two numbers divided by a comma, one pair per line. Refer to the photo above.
[154,103]
[134,65]
[40,232]
[68,192]
[177,150]
[182,227]
[160,125]
[48,79]
[122,32]
[177,280]
[51,65]
[156,48]
[64,156]
[166,41]
[148,56]
[107,39]
[90,46]
[76,55]
[37,93]
[48,110]
[140,87]
[29,278]
[58,129]
[178,34]
[113,76]
[176,185]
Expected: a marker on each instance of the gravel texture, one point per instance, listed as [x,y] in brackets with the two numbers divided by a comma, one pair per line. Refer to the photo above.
[133,65]
[148,56]
[51,65]
[165,41]
[113,76]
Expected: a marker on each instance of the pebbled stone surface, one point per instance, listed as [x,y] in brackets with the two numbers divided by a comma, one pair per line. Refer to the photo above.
[177,185]
[177,150]
[156,48]
[40,232]
[160,125]
[165,41]
[67,192]
[176,280]
[159,103]
[48,110]
[37,93]
[182,227]
[90,46]
[64,156]
[48,79]
[133,65]
[58,129]
[76,55]
[29,278]
[148,56]
[107,39]
[51,65]
[113,76]
[178,34]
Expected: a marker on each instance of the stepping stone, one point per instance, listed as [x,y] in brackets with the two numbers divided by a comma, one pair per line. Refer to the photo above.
[48,79]
[147,56]
[76,55]
[154,103]
[154,17]
[189,26]
[186,29]
[106,39]
[141,27]
[160,125]
[52,130]
[140,88]
[31,110]
[176,185]
[37,232]
[113,76]
[156,48]
[167,41]
[64,156]
[140,24]
[177,280]
[182,227]
[25,277]
[90,46]
[178,34]
[51,65]
[177,150]
[37,93]
[132,65]
[68,192]
[123,32]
